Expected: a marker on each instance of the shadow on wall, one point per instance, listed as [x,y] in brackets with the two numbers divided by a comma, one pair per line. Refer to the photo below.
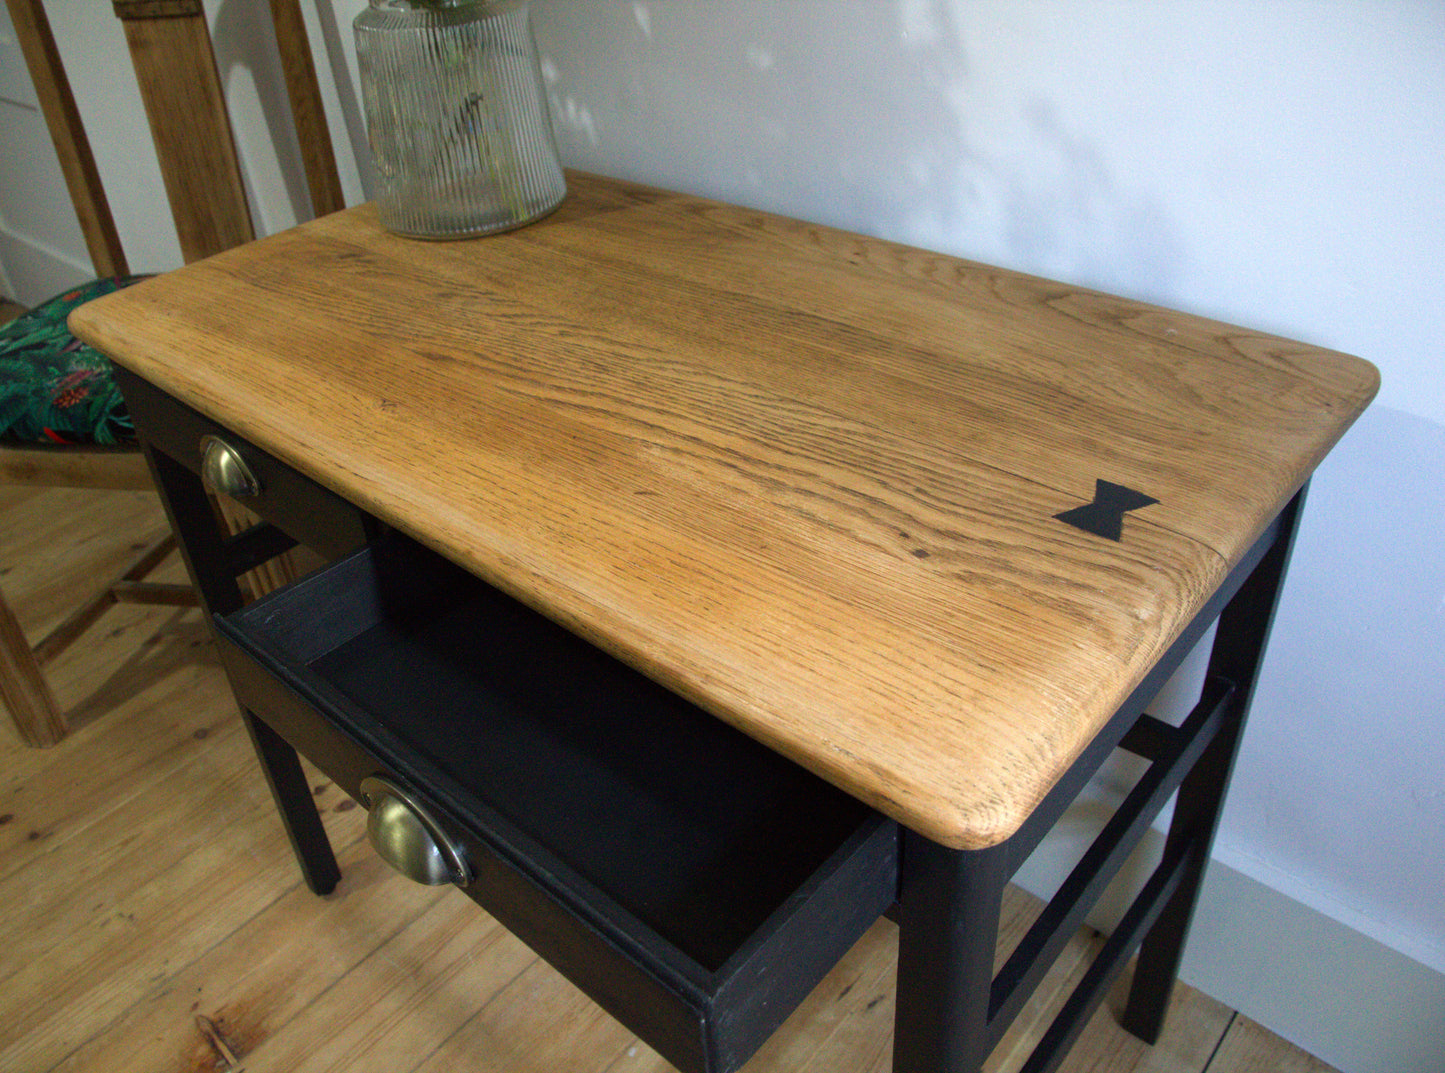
[243,39]
[1066,215]
[857,114]
[353,117]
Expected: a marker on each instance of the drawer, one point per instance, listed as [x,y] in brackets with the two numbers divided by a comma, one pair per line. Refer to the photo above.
[297,505]
[693,882]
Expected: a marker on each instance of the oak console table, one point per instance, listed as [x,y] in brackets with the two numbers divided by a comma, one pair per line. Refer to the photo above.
[704,584]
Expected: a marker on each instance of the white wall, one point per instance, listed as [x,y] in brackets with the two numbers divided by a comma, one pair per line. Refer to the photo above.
[1275,164]
[41,248]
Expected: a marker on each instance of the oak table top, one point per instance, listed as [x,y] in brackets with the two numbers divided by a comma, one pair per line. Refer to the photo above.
[809,480]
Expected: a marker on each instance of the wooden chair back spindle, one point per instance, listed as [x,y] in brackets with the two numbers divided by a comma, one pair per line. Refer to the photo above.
[175,65]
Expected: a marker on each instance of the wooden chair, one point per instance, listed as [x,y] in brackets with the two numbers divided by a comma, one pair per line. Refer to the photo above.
[170,46]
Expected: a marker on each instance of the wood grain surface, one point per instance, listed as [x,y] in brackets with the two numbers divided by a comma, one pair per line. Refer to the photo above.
[805,478]
[313,134]
[186,108]
[118,470]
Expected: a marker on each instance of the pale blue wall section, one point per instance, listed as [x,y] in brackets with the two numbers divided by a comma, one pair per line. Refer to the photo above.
[1340,789]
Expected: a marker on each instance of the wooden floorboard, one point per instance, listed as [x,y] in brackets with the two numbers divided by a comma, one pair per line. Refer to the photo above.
[1248,1047]
[154,920]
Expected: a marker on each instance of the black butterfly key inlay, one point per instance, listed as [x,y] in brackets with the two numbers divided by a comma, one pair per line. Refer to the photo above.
[1105,515]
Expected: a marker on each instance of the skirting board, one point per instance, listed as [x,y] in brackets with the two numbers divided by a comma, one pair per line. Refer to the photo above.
[1344,997]
[34,272]
[1348,999]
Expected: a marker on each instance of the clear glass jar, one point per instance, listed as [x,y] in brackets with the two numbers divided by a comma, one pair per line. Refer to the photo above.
[456,116]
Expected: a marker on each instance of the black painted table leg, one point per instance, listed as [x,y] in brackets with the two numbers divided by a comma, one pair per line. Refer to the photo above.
[1237,654]
[299,815]
[202,546]
[950,904]
[951,1009]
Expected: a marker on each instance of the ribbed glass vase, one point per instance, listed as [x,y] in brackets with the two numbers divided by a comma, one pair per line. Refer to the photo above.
[456,116]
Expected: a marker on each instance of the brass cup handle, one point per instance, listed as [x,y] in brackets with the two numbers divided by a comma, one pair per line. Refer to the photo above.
[408,838]
[225,471]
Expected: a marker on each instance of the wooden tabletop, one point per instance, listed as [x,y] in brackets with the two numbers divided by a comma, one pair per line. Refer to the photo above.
[807,479]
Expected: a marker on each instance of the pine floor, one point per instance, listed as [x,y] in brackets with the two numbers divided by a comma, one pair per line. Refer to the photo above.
[153,920]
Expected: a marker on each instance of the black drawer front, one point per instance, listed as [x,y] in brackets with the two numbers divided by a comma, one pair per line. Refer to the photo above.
[698,963]
[297,505]
[567,940]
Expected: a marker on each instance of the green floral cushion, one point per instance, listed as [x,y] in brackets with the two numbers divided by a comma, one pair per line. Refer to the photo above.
[54,388]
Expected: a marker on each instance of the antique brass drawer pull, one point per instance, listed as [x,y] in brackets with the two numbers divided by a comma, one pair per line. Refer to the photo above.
[225,471]
[406,836]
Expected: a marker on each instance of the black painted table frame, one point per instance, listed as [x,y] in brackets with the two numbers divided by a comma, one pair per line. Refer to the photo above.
[952,1009]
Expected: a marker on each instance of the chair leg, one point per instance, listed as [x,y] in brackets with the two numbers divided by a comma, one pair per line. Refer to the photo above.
[32,706]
